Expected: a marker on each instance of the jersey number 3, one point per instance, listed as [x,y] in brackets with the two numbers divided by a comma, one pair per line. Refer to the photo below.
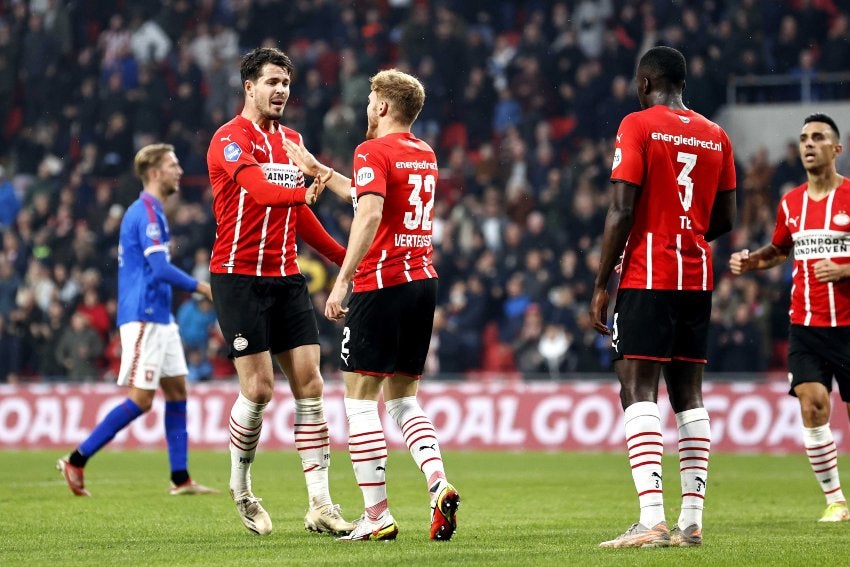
[684,179]
[420,216]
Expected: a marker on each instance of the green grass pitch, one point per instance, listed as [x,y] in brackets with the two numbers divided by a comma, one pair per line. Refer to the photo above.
[517,509]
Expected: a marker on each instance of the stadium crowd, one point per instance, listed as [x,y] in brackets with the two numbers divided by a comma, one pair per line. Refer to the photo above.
[524,98]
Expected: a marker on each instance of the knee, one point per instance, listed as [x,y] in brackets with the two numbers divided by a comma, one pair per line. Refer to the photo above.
[308,383]
[683,401]
[259,390]
[145,404]
[314,384]
[634,392]
[814,411]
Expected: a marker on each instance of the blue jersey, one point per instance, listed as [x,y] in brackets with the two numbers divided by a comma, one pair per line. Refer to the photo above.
[143,295]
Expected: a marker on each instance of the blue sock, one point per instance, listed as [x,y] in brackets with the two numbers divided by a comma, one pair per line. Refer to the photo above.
[120,417]
[178,440]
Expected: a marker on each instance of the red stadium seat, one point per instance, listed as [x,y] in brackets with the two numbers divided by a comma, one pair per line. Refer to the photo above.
[454,134]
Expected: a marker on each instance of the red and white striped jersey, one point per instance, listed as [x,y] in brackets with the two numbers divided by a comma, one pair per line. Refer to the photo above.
[403,170]
[816,230]
[679,160]
[252,239]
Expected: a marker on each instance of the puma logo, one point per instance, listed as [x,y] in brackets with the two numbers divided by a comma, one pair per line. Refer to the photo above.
[792,220]
[380,468]
[362,156]
[227,139]
[344,357]
[658,479]
[700,483]
[423,447]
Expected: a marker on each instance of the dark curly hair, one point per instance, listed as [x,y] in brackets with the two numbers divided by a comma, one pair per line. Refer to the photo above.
[252,63]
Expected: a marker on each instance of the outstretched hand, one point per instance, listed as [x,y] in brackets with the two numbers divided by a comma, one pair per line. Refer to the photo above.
[313,191]
[302,157]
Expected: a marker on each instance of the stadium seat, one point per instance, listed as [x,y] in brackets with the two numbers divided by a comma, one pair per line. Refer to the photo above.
[454,134]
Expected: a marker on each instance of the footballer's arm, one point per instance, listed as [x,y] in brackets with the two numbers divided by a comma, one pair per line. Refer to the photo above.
[618,225]
[367,219]
[762,259]
[338,183]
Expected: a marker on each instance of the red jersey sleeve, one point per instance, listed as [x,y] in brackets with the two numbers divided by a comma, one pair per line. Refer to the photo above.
[371,168]
[231,148]
[313,233]
[266,193]
[782,237]
[727,181]
[629,152]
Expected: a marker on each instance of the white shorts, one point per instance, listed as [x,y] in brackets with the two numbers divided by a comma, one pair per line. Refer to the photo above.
[150,351]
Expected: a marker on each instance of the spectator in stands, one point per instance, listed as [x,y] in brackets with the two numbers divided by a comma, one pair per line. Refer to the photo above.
[9,284]
[195,317]
[9,344]
[96,312]
[78,349]
[49,334]
[148,42]
[10,204]
[200,368]
[554,348]
[525,74]
[737,343]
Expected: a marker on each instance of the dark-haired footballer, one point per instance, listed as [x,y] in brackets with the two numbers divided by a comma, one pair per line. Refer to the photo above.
[813,220]
[673,179]
[260,294]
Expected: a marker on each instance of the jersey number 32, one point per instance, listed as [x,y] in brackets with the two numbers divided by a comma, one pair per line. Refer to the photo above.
[420,216]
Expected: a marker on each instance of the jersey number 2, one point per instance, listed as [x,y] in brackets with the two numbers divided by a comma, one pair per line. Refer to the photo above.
[690,160]
[420,216]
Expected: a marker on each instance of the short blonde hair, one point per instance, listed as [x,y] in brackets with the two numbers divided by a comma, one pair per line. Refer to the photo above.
[148,158]
[404,92]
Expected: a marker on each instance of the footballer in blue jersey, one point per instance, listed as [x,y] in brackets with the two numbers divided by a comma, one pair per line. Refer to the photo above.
[145,274]
[152,352]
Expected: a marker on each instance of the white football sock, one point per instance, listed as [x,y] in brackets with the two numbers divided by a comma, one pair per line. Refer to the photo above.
[246,424]
[646,446]
[694,451]
[421,440]
[313,444]
[823,457]
[368,449]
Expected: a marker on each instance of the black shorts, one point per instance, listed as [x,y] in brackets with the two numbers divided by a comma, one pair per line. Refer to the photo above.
[661,325]
[262,313]
[388,331]
[817,354]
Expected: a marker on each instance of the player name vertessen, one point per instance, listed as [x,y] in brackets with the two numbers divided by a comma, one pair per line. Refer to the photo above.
[811,244]
[412,240]
[679,140]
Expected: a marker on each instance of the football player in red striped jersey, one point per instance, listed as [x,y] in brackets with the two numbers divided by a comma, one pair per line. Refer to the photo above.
[813,221]
[673,180]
